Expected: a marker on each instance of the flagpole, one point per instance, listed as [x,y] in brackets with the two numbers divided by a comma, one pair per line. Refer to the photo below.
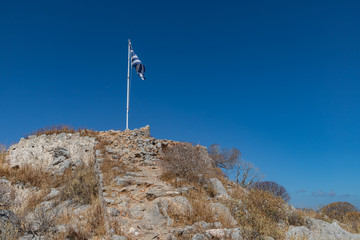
[128,87]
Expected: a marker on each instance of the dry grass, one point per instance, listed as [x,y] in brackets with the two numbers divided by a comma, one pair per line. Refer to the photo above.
[201,211]
[89,223]
[111,169]
[259,212]
[303,237]
[9,231]
[54,129]
[2,153]
[94,223]
[80,186]
[36,177]
[296,218]
[351,222]
[57,129]
[34,199]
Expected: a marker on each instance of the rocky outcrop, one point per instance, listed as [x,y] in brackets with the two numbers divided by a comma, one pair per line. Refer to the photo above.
[53,152]
[316,229]
[135,201]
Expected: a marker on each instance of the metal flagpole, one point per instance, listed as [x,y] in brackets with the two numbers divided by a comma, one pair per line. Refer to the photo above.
[128,88]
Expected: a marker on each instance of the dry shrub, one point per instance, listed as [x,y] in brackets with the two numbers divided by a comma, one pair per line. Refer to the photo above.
[338,210]
[201,211]
[352,222]
[259,212]
[2,153]
[184,161]
[72,234]
[296,218]
[346,213]
[276,189]
[80,186]
[94,224]
[90,224]
[201,208]
[54,129]
[57,129]
[223,157]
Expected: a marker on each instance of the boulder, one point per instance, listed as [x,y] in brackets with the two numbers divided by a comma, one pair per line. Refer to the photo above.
[199,236]
[218,188]
[316,229]
[222,212]
[51,151]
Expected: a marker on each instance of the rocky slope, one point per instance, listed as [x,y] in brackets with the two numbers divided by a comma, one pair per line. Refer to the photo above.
[133,200]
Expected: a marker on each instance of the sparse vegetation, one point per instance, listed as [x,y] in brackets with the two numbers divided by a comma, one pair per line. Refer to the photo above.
[2,153]
[184,161]
[258,207]
[246,174]
[259,212]
[276,189]
[296,218]
[338,210]
[224,158]
[57,129]
[345,213]
[80,186]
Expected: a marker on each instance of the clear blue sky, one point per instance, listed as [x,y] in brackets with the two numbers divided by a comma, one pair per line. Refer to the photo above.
[278,80]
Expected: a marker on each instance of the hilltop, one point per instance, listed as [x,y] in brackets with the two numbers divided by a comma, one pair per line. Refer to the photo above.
[67,184]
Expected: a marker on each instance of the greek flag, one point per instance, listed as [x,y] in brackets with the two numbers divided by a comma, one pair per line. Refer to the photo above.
[135,62]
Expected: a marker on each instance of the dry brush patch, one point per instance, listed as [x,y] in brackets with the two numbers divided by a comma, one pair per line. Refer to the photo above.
[80,186]
[57,129]
[2,153]
[35,176]
[346,213]
[201,210]
[259,212]
[184,164]
[84,225]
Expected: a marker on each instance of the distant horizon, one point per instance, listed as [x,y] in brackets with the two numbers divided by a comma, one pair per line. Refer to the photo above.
[277,80]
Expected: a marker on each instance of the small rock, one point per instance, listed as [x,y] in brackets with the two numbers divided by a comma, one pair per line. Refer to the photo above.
[113,211]
[199,236]
[121,182]
[117,237]
[54,193]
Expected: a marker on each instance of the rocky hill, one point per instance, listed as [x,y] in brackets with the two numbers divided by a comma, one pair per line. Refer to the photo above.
[113,185]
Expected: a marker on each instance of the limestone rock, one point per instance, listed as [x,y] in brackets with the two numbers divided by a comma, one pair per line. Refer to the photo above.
[199,236]
[222,212]
[319,230]
[219,188]
[222,234]
[52,151]
[117,237]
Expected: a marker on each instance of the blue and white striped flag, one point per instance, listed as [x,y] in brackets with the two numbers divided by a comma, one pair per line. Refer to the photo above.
[135,62]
